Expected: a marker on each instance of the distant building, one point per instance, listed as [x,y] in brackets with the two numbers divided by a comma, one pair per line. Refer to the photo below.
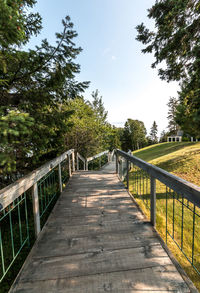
[175,138]
[194,139]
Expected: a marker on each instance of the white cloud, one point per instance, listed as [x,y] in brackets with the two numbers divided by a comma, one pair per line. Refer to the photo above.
[113,58]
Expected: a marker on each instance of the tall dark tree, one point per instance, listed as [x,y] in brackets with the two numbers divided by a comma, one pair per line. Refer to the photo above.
[172,109]
[176,41]
[154,132]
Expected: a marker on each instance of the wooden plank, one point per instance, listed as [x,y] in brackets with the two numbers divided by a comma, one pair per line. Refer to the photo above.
[94,263]
[87,230]
[153,280]
[76,245]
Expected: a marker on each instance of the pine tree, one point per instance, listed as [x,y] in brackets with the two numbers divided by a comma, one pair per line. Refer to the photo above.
[154,132]
[36,85]
[172,124]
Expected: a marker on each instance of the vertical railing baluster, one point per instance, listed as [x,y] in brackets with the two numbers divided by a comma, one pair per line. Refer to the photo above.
[117,166]
[182,223]
[69,165]
[11,233]
[36,212]
[26,216]
[77,162]
[2,254]
[193,234]
[153,201]
[127,175]
[60,178]
[73,162]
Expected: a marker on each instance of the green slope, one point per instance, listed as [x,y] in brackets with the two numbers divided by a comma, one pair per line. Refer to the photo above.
[181,159]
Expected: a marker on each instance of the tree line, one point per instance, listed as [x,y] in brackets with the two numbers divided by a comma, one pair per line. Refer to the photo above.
[42,108]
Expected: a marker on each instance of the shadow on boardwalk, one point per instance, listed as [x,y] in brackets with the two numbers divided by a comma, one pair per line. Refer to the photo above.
[96,240]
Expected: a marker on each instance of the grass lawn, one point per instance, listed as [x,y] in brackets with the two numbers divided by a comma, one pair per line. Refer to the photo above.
[181,159]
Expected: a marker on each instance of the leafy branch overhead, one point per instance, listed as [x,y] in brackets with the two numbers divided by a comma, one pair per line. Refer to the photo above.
[175,43]
[35,86]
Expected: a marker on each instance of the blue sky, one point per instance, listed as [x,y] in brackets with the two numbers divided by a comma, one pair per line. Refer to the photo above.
[111,57]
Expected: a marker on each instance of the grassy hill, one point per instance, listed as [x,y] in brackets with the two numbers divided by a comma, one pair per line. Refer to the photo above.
[179,158]
[183,160]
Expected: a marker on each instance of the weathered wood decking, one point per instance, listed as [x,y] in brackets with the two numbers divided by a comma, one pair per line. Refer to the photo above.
[96,240]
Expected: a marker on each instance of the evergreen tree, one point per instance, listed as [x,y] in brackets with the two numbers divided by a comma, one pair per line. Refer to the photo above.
[35,87]
[172,124]
[175,41]
[154,132]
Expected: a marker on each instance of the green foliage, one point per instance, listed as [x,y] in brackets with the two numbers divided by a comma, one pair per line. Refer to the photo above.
[175,41]
[15,135]
[163,136]
[89,133]
[134,135]
[153,133]
[172,124]
[36,86]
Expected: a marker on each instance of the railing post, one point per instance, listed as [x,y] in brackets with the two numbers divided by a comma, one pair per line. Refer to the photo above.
[60,178]
[127,175]
[153,201]
[69,165]
[36,210]
[117,165]
[77,162]
[73,162]
[86,167]
[100,163]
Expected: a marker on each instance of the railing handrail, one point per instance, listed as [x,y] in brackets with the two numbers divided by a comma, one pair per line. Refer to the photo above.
[97,156]
[189,190]
[14,190]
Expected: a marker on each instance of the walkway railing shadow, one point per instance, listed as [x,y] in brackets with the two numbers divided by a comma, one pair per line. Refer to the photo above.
[171,203]
[26,204]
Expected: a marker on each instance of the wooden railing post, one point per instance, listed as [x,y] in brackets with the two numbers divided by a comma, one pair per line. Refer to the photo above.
[127,175]
[77,162]
[69,165]
[36,210]
[153,201]
[60,178]
[73,162]
[117,165]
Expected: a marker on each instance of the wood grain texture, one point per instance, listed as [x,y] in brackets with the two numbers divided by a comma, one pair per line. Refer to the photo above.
[97,242]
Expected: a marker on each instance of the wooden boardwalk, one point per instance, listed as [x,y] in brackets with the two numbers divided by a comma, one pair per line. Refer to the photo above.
[96,240]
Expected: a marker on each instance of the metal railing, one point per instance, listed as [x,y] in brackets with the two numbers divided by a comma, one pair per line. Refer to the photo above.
[26,204]
[172,204]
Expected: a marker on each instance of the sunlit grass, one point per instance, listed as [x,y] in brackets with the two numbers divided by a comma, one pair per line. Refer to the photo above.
[181,159]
